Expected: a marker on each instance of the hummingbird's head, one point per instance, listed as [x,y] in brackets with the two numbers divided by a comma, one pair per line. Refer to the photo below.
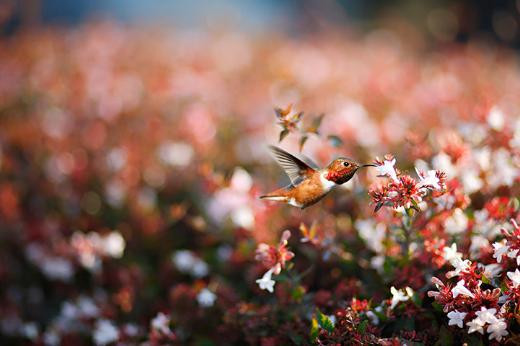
[341,170]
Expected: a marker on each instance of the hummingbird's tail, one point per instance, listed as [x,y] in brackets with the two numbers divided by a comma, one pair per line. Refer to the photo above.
[277,195]
[274,198]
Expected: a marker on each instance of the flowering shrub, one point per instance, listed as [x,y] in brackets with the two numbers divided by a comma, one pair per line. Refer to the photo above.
[131,166]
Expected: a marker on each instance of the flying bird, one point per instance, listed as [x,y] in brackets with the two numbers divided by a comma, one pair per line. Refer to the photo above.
[310,184]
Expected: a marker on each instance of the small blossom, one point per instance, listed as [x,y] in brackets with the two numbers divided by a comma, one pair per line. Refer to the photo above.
[496,119]
[456,223]
[456,318]
[105,332]
[374,319]
[514,277]
[476,325]
[387,169]
[500,249]
[206,298]
[487,315]
[497,329]
[431,179]
[266,283]
[460,289]
[492,270]
[161,323]
[400,295]
[185,261]
[460,266]
[450,253]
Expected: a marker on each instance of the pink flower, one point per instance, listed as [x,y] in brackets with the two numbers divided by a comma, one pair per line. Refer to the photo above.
[275,257]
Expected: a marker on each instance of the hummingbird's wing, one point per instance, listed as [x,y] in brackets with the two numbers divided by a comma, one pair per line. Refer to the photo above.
[295,168]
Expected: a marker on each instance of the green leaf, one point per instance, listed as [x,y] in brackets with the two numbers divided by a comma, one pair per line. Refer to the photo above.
[297,293]
[362,326]
[335,141]
[416,299]
[324,321]
[283,134]
[485,279]
[296,339]
[445,337]
[314,329]
[437,307]
[303,139]
[415,206]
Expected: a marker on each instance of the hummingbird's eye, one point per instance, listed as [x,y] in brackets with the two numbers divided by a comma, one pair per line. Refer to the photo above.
[346,164]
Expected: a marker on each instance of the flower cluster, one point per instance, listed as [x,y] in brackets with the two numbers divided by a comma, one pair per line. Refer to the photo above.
[403,191]
[485,296]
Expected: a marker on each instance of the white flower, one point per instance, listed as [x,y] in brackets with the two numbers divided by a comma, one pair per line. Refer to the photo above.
[373,318]
[87,308]
[492,270]
[471,181]
[500,249]
[266,283]
[450,253]
[105,332]
[332,318]
[461,289]
[459,265]
[477,242]
[504,169]
[476,325]
[387,168]
[243,217]
[456,318]
[456,223]
[497,329]
[495,118]
[241,180]
[57,268]
[113,244]
[200,269]
[175,153]
[30,330]
[442,162]
[487,315]
[161,323]
[514,277]
[206,298]
[400,295]
[373,234]
[51,338]
[185,261]
[429,180]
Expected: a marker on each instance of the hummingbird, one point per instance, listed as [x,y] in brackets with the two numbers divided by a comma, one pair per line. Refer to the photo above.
[310,184]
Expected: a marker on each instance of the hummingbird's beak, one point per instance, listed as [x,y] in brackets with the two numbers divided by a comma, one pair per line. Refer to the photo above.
[368,165]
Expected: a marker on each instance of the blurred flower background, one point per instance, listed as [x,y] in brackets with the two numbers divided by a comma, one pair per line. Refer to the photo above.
[133,150]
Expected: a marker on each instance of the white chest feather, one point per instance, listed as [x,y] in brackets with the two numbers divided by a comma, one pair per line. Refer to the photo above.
[327,184]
